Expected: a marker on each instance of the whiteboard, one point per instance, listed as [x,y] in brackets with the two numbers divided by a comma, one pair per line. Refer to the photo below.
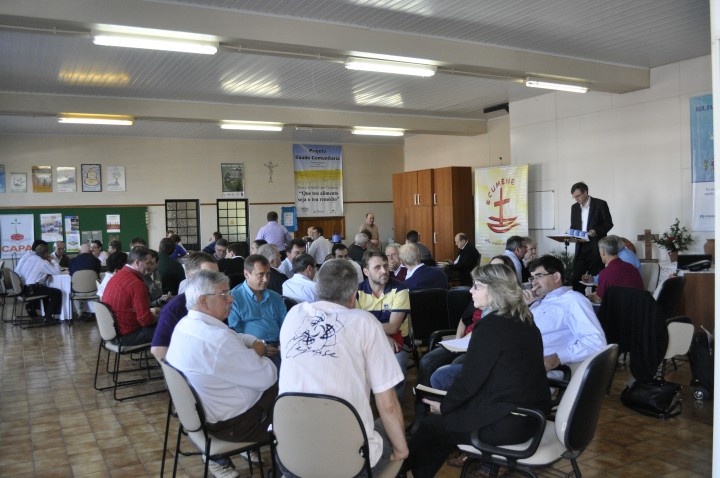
[541,210]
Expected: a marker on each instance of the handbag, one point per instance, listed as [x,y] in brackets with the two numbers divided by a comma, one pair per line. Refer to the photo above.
[656,398]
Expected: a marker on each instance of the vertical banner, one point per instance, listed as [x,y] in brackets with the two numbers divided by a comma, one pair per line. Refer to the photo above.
[703,163]
[501,207]
[318,180]
[17,233]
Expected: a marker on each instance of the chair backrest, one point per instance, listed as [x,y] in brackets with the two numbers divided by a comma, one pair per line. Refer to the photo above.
[16,281]
[670,295]
[187,403]
[577,415]
[105,321]
[458,299]
[84,282]
[289,302]
[680,334]
[319,436]
[428,311]
[650,272]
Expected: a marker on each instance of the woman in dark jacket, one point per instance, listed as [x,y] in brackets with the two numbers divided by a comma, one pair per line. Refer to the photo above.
[503,370]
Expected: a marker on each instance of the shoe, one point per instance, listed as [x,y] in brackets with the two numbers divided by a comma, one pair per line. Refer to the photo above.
[254,457]
[457,461]
[223,471]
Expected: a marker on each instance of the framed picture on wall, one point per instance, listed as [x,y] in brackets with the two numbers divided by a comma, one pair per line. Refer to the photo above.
[91,178]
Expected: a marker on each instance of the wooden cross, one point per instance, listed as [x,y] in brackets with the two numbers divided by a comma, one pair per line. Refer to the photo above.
[648,238]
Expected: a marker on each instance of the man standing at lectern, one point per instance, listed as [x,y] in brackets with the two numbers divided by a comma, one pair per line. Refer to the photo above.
[591,215]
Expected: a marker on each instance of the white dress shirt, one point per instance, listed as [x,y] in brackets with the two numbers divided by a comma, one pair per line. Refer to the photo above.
[300,288]
[35,270]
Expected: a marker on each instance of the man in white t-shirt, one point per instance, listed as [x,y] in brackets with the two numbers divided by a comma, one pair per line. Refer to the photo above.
[349,359]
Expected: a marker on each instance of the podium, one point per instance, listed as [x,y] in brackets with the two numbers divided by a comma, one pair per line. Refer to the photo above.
[567,239]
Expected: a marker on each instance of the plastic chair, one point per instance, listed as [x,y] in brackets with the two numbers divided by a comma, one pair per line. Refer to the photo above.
[680,334]
[109,341]
[84,286]
[428,312]
[21,297]
[458,299]
[670,295]
[191,412]
[650,272]
[289,302]
[339,445]
[568,435]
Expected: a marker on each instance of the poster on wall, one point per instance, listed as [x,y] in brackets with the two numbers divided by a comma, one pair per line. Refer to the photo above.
[501,207]
[233,180]
[89,236]
[42,179]
[72,233]
[17,233]
[65,179]
[112,222]
[51,227]
[115,178]
[91,178]
[2,178]
[703,163]
[318,180]
[18,182]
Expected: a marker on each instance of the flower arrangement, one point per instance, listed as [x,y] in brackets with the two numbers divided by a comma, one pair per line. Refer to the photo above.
[677,239]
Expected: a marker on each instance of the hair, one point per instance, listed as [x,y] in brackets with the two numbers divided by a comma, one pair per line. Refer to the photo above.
[393,244]
[301,262]
[361,238]
[610,244]
[581,186]
[369,255]
[175,238]
[41,250]
[270,251]
[259,243]
[505,260]
[255,258]
[117,245]
[272,216]
[319,230]
[116,261]
[84,249]
[296,243]
[201,283]
[529,241]
[154,254]
[503,291]
[337,281]
[195,260]
[338,247]
[551,264]
[138,253]
[221,242]
[412,236]
[137,241]
[58,242]
[236,248]
[169,232]
[36,243]
[368,213]
[97,243]
[462,236]
[217,235]
[513,243]
[167,245]
[410,254]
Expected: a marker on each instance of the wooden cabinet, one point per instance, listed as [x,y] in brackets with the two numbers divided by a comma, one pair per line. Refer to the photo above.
[438,204]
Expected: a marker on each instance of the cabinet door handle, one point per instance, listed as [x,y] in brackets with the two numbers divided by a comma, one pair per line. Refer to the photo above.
[434,237]
[419,202]
[434,198]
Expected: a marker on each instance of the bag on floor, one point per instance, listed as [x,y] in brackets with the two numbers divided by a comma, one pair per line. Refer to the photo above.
[656,398]
[701,364]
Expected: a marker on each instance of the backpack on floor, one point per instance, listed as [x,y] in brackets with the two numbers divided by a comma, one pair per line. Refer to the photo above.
[656,398]
[701,364]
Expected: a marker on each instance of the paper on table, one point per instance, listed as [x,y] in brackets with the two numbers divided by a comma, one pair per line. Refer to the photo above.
[457,345]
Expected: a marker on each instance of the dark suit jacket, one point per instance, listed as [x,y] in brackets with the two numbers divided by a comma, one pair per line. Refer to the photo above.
[503,370]
[427,277]
[469,258]
[599,218]
[171,273]
[236,265]
[276,280]
[356,253]
[83,262]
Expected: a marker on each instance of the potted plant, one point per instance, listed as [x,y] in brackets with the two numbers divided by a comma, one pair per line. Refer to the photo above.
[676,240]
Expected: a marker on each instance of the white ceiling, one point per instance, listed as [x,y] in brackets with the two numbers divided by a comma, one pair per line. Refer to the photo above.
[282,60]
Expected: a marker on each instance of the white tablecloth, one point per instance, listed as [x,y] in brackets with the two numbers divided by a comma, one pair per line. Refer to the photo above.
[63,282]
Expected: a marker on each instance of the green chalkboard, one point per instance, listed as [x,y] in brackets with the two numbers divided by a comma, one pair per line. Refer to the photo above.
[133,221]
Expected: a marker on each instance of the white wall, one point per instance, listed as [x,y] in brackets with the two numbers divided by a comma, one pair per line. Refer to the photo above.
[159,169]
[632,150]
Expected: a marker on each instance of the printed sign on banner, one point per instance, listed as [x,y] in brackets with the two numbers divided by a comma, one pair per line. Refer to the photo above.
[318,180]
[18,233]
[703,163]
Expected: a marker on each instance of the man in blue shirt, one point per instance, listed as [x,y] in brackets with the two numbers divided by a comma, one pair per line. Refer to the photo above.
[256,310]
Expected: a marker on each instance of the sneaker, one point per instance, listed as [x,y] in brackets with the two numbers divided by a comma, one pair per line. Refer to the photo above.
[223,471]
[254,457]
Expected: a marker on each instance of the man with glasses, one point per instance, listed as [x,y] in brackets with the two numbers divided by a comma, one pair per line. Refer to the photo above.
[569,327]
[236,382]
[591,215]
[127,296]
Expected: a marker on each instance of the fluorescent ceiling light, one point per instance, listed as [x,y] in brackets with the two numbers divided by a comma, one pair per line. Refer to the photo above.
[551,85]
[79,118]
[252,125]
[171,42]
[371,131]
[385,66]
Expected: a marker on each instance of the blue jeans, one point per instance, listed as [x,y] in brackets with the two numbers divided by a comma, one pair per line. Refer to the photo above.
[444,377]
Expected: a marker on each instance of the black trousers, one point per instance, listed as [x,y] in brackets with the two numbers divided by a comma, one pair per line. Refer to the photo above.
[52,304]
[587,261]
[252,425]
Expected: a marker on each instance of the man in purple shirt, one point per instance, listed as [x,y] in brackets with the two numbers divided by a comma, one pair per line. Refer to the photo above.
[275,233]
[176,309]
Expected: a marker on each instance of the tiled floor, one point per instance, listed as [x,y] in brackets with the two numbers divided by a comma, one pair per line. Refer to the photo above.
[53,423]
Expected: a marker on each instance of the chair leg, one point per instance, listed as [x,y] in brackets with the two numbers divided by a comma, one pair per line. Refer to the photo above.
[177,451]
[576,469]
[165,441]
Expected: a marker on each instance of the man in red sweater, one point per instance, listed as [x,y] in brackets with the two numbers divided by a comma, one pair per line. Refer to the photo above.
[616,273]
[127,296]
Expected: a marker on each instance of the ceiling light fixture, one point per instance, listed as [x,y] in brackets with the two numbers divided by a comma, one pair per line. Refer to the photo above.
[155,42]
[552,85]
[372,131]
[251,125]
[385,66]
[80,118]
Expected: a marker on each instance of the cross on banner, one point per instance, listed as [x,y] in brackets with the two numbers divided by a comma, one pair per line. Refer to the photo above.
[648,238]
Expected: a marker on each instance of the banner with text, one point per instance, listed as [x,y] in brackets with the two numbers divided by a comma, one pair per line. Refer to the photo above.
[703,163]
[18,234]
[501,207]
[318,180]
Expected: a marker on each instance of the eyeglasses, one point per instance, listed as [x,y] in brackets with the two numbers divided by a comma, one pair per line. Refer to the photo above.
[477,285]
[224,295]
[539,275]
